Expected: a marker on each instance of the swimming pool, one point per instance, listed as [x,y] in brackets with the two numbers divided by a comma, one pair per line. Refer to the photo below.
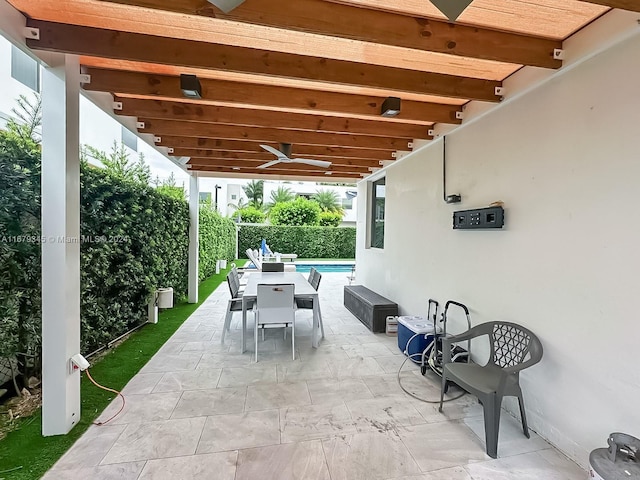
[321,267]
[324,267]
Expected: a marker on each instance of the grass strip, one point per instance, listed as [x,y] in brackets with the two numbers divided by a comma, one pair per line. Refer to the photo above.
[26,455]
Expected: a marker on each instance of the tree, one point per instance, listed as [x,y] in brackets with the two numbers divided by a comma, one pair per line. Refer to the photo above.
[237,206]
[280,195]
[328,201]
[296,212]
[329,219]
[254,190]
[251,215]
[169,187]
[118,164]
[29,118]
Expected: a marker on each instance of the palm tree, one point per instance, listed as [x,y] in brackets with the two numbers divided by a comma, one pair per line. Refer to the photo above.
[254,190]
[328,201]
[281,194]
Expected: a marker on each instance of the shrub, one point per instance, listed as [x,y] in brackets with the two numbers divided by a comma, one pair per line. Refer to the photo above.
[20,310]
[217,240]
[149,250]
[251,215]
[298,212]
[329,219]
[306,242]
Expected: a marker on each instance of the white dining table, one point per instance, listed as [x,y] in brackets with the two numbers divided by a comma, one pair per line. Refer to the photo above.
[303,290]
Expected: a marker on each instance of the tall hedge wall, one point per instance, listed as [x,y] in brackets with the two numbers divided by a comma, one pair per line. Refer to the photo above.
[306,242]
[144,240]
[19,254]
[217,240]
[134,239]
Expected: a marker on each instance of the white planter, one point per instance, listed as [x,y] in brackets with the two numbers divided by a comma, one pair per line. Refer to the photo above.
[165,297]
[223,264]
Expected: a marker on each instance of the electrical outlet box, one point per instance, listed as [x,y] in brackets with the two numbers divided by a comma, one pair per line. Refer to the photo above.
[490,217]
[79,362]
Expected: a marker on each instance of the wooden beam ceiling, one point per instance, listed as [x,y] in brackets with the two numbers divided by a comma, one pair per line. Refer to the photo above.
[186,146]
[279,98]
[286,171]
[380,27]
[200,156]
[258,134]
[198,112]
[80,40]
[631,5]
[312,73]
[291,166]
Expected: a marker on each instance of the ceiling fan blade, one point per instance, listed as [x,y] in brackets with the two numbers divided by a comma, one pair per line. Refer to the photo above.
[269,164]
[315,163]
[226,5]
[277,153]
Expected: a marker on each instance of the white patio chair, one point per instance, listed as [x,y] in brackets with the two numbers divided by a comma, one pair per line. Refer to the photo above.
[275,306]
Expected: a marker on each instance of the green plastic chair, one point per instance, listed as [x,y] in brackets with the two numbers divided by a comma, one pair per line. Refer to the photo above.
[513,348]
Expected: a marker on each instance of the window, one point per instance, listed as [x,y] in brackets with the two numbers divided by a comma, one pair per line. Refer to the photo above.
[130,139]
[377,213]
[25,69]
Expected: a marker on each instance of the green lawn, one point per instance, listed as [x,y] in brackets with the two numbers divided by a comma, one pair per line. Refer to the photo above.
[26,455]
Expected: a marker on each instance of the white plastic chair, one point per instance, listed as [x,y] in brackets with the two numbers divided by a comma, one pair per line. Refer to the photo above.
[275,306]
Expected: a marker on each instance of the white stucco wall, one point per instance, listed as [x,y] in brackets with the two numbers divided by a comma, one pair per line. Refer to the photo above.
[565,159]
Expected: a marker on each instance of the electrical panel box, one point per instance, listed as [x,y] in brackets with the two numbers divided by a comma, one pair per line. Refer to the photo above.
[490,217]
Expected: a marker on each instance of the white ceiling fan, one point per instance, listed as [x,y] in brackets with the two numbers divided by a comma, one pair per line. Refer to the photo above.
[283,157]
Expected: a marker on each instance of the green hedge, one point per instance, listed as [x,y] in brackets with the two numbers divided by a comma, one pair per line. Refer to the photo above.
[306,242]
[135,239]
[217,240]
[145,245]
[20,310]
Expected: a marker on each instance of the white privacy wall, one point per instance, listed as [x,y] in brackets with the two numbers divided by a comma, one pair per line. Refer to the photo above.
[565,160]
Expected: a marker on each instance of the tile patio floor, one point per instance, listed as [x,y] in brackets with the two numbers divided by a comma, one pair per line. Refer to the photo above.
[200,410]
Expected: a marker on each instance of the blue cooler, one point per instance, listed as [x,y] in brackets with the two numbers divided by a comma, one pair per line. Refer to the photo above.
[408,326]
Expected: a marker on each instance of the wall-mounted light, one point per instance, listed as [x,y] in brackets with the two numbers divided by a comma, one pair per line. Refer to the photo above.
[451,8]
[390,107]
[190,86]
[226,5]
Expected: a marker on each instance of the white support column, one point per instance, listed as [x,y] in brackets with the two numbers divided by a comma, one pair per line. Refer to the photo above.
[194,205]
[61,244]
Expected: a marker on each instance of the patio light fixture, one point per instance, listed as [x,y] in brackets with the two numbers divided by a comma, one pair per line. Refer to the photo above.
[190,86]
[390,107]
[226,5]
[451,8]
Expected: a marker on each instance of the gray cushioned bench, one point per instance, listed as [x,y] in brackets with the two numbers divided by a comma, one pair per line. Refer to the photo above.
[369,307]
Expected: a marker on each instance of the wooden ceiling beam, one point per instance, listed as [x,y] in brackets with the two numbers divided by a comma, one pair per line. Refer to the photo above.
[257,134]
[199,112]
[247,94]
[267,157]
[631,5]
[375,26]
[279,172]
[96,42]
[288,166]
[202,147]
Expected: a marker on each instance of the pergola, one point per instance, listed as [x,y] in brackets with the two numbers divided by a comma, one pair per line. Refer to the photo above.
[311,73]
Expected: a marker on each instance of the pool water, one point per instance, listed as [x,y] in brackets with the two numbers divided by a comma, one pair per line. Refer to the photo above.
[323,267]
